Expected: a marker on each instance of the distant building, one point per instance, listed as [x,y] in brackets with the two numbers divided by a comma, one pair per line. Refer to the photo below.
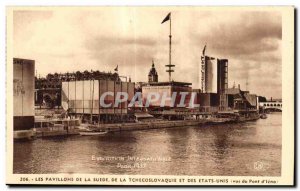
[210,75]
[138,86]
[164,89]
[208,102]
[239,100]
[222,75]
[214,81]
[23,93]
[167,88]
[271,105]
[48,89]
[215,75]
[274,100]
[222,83]
[82,98]
[262,99]
[153,76]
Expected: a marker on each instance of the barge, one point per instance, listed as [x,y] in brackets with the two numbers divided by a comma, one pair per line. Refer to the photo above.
[56,127]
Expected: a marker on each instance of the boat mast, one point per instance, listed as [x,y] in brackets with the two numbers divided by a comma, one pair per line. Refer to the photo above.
[91,120]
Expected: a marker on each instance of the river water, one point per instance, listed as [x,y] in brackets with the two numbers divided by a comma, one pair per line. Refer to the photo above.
[245,149]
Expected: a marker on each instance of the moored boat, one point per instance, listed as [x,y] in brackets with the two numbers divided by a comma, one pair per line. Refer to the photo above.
[90,130]
[55,127]
[263,116]
[214,121]
[92,133]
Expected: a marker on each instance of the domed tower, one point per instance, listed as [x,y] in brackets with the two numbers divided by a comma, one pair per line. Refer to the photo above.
[152,76]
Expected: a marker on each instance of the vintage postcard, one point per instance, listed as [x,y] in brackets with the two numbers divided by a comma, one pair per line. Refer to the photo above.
[168,95]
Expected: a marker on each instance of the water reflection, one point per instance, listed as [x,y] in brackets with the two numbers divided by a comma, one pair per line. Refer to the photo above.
[206,150]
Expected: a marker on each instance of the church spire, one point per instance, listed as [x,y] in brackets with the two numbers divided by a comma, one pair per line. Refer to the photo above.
[153,76]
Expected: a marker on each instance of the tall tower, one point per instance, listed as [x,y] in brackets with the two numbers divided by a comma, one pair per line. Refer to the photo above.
[203,70]
[222,75]
[210,75]
[153,76]
[223,83]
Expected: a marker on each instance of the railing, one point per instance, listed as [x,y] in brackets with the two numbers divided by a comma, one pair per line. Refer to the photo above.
[201,110]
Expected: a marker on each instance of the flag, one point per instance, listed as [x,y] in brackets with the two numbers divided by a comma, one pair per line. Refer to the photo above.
[168,17]
[116,69]
[203,52]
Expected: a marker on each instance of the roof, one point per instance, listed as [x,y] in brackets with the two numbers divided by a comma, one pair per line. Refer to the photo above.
[232,91]
[22,61]
[172,83]
[235,91]
[143,115]
[251,98]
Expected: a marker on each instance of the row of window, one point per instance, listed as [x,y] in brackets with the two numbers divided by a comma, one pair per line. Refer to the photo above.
[271,104]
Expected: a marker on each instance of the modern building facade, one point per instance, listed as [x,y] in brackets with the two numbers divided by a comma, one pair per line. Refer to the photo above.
[23,93]
[215,75]
[210,75]
[222,82]
[48,89]
[167,89]
[83,97]
[222,75]
[240,100]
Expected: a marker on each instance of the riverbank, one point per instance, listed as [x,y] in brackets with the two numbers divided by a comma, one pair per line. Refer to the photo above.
[119,127]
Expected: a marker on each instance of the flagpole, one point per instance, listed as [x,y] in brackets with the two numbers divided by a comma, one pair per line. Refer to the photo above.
[169,66]
[170,48]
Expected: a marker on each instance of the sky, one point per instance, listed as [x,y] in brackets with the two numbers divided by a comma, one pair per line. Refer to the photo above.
[78,39]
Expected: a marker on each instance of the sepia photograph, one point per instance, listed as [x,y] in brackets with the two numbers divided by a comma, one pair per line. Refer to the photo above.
[150,95]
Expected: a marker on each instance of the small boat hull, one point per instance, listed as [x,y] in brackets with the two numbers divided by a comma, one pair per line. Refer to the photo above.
[216,121]
[263,116]
[24,134]
[90,133]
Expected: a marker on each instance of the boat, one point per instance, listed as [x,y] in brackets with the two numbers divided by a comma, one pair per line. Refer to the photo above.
[263,116]
[52,127]
[24,134]
[246,118]
[216,121]
[92,133]
[88,130]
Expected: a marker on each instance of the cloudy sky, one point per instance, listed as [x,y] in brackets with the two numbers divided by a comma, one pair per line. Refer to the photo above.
[67,40]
